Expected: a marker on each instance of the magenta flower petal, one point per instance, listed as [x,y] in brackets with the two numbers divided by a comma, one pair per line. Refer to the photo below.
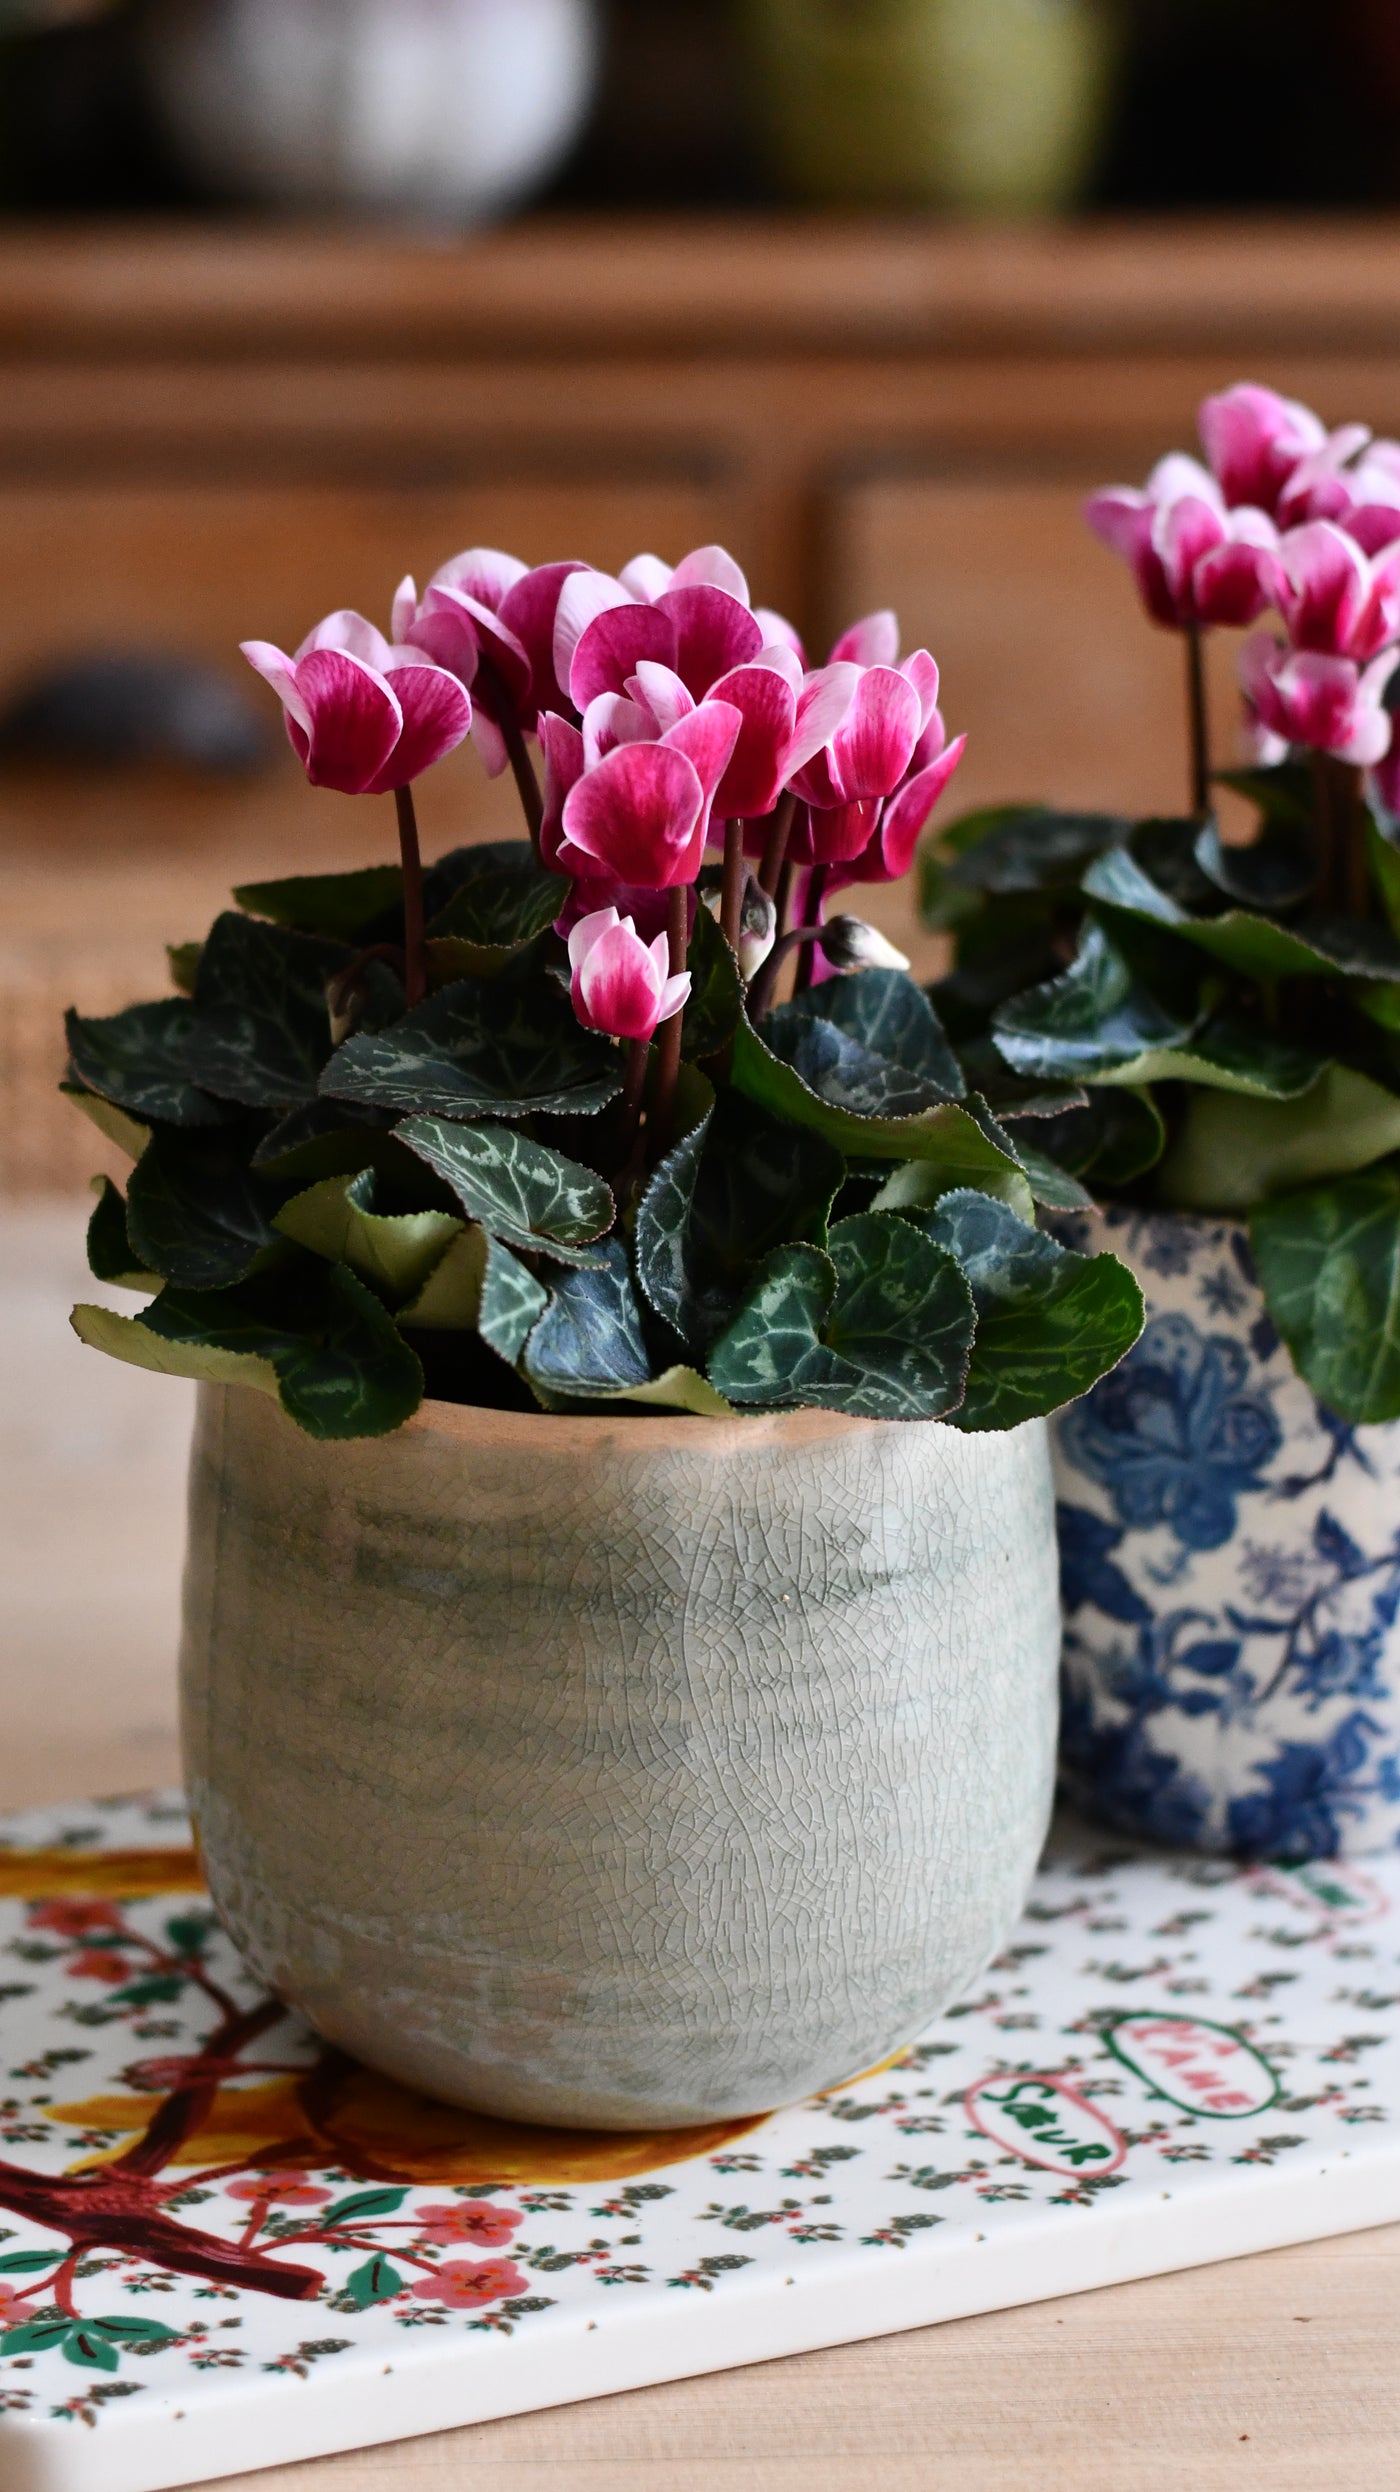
[707,738]
[584,596]
[921,670]
[614,645]
[405,609]
[646,577]
[778,632]
[437,717]
[277,669]
[840,832]
[767,706]
[349,631]
[822,706]
[1234,584]
[714,633]
[562,746]
[355,721]
[1254,439]
[620,984]
[637,814]
[612,720]
[483,573]
[1183,533]
[711,567]
[660,691]
[874,744]
[1322,587]
[529,612]
[874,641]
[906,815]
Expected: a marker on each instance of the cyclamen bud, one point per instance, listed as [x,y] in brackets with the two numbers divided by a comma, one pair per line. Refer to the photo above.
[849,943]
[758,921]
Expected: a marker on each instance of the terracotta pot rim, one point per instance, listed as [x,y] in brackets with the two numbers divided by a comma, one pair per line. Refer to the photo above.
[549,1433]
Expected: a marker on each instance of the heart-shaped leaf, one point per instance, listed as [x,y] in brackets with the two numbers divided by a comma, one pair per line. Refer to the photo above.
[1049,1322]
[395,1252]
[261,1030]
[343,906]
[1230,1153]
[947,1132]
[479,1286]
[589,1339]
[328,1138]
[109,1252]
[881,1326]
[1095,1018]
[1227,1053]
[742,1183]
[716,993]
[884,1015]
[1116,1136]
[139,1060]
[528,1196]
[316,1336]
[1034,848]
[1254,945]
[502,900]
[480,1050]
[195,1212]
[1329,1265]
[111,1122]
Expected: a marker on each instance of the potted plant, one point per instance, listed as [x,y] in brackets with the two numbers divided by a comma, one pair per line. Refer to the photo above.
[1209,1028]
[621,1624]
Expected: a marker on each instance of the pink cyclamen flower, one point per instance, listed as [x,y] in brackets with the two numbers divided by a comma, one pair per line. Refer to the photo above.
[469,2284]
[1329,704]
[899,824]
[875,834]
[363,716]
[484,604]
[490,2227]
[1196,563]
[1362,494]
[640,808]
[1254,441]
[621,985]
[290,2192]
[1334,598]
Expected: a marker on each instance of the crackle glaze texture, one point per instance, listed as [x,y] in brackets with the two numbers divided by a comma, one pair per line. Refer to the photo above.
[1230,1557]
[618,1772]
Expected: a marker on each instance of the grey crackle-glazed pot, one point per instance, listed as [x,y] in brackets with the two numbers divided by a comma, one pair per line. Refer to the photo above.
[618,1772]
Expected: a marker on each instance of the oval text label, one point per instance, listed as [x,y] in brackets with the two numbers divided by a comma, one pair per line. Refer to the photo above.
[1045,2121]
[1198,2065]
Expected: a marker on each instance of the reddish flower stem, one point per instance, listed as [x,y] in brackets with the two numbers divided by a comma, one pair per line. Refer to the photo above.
[731,903]
[761,990]
[816,893]
[491,691]
[775,847]
[1197,720]
[415,967]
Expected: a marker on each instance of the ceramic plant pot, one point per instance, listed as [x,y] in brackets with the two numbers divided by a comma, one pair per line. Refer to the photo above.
[455,109]
[985,106]
[618,1772]
[1230,1558]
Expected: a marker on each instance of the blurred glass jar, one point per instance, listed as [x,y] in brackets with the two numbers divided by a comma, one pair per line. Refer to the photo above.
[450,109]
[981,106]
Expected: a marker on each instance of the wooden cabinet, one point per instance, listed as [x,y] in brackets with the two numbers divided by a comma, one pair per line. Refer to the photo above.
[207,434]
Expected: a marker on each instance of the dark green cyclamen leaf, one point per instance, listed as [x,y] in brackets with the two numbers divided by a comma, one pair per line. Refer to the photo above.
[261,1031]
[1228,1052]
[184,965]
[1097,1016]
[1010,1099]
[395,1252]
[1049,1322]
[480,1287]
[1283,793]
[1048,1182]
[314,1335]
[195,1212]
[1116,1136]
[528,1196]
[1229,1153]
[945,1133]
[327,1138]
[343,906]
[1274,874]
[880,1327]
[1329,1266]
[882,1012]
[1035,848]
[139,1059]
[716,993]
[742,1183]
[477,1050]
[589,1338]
[1240,939]
[109,1250]
[503,898]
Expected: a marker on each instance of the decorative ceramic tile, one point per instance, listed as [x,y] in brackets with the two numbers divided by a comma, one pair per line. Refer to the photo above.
[222,2246]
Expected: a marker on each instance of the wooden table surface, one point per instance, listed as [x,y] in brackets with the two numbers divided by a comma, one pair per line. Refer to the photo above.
[1278,2371]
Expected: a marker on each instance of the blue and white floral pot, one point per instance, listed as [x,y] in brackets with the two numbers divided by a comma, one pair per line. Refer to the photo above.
[1230,1564]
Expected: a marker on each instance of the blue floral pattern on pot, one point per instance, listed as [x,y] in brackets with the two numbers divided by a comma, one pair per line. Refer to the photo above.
[1230,1568]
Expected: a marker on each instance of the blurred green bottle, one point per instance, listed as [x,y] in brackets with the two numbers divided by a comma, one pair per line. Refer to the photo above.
[982,107]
